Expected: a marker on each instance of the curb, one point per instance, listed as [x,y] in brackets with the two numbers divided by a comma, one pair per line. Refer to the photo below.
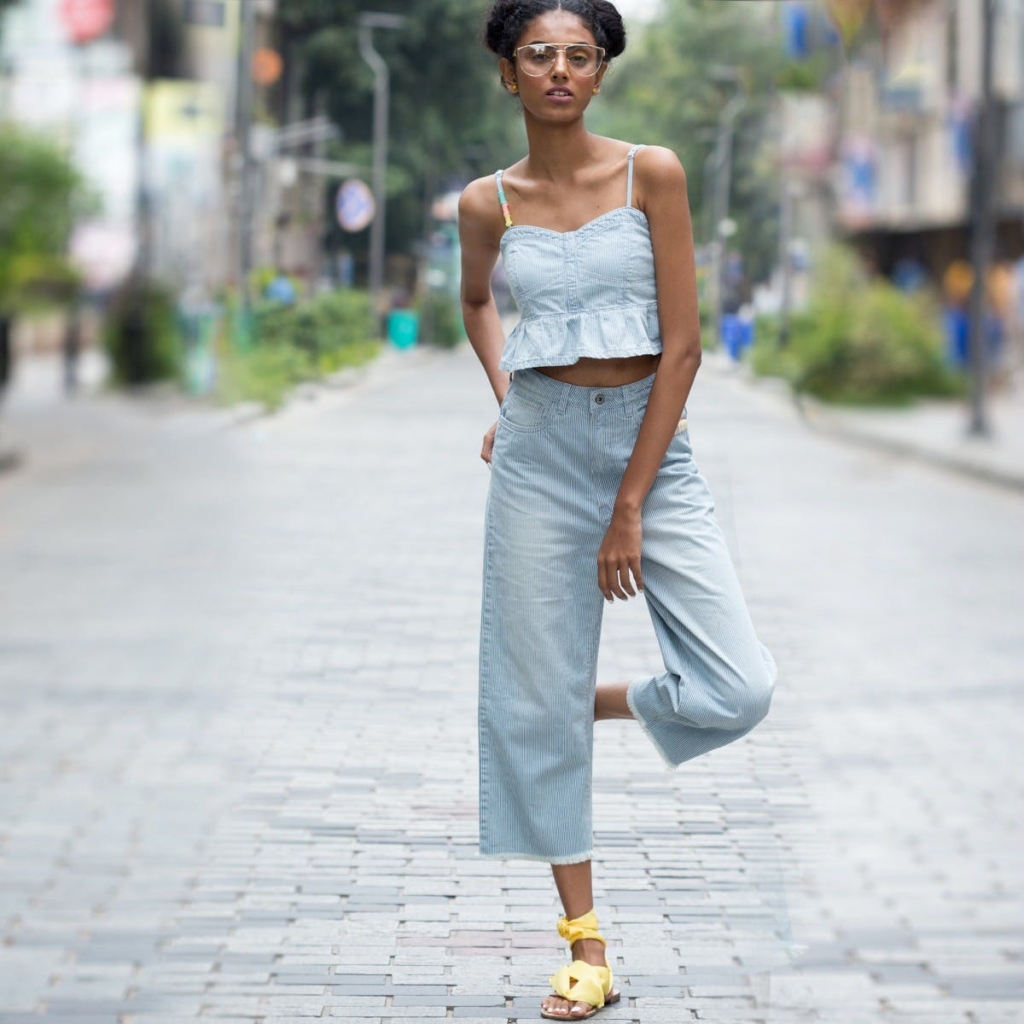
[822,419]
[824,422]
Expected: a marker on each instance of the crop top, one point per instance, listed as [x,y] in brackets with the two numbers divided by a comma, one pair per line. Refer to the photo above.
[584,293]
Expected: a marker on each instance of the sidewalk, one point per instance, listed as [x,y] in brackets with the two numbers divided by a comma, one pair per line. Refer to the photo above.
[932,431]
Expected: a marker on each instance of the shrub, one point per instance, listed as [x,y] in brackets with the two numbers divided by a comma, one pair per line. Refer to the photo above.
[140,335]
[859,341]
[292,344]
[265,374]
[440,319]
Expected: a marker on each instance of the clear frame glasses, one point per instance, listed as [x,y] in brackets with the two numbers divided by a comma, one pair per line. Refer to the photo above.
[536,59]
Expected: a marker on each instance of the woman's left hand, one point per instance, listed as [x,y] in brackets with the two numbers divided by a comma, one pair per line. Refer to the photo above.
[618,561]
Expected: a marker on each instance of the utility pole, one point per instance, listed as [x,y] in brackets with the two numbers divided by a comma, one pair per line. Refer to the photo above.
[381,99]
[788,199]
[726,121]
[982,219]
[243,254]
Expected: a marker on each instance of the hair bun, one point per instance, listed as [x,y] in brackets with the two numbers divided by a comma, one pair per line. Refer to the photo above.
[507,19]
[614,30]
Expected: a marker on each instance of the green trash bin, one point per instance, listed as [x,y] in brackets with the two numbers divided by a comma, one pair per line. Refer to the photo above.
[403,328]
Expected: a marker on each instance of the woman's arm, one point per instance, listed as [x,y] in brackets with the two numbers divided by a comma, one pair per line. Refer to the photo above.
[479,221]
[662,192]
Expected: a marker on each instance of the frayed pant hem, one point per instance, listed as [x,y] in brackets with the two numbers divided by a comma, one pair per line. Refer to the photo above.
[572,858]
[669,763]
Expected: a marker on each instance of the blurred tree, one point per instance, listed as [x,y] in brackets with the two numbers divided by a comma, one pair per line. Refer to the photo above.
[669,89]
[450,119]
[41,198]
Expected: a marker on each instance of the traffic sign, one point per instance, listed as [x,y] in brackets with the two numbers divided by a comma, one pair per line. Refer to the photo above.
[86,19]
[355,205]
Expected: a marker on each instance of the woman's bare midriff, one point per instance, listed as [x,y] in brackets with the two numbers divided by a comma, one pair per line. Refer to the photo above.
[604,373]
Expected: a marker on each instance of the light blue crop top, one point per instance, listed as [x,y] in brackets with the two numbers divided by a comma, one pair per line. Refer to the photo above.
[584,293]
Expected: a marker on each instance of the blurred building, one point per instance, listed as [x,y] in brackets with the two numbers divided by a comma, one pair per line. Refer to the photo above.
[145,93]
[904,152]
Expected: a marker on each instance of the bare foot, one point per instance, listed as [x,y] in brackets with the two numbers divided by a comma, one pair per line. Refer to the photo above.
[592,952]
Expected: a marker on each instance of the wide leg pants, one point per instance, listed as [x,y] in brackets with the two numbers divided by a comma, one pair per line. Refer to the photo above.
[559,455]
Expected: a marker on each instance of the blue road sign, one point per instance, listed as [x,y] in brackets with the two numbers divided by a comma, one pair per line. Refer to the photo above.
[355,205]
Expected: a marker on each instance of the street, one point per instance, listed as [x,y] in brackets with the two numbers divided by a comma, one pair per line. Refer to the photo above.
[238,762]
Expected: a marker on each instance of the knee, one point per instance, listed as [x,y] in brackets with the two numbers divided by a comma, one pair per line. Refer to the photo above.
[754,698]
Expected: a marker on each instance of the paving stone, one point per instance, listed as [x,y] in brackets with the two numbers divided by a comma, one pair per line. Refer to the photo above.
[208,803]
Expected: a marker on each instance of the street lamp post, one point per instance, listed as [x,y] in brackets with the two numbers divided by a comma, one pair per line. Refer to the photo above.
[726,123]
[381,97]
[983,226]
[243,253]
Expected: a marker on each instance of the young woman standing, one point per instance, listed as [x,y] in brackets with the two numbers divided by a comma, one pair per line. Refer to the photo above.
[594,494]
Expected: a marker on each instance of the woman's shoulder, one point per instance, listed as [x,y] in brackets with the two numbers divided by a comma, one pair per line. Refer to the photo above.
[658,165]
[479,199]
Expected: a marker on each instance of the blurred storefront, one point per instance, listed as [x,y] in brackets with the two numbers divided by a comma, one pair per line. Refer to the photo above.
[903,176]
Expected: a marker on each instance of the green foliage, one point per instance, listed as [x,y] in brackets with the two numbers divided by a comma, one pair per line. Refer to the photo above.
[666,90]
[293,344]
[328,323]
[440,319]
[860,340]
[450,119]
[140,335]
[807,75]
[41,197]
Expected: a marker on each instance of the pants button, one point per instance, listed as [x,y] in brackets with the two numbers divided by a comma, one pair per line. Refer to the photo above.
[599,399]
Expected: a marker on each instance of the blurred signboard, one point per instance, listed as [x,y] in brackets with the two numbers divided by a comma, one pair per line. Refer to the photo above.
[84,20]
[205,12]
[356,207]
[105,149]
[858,183]
[184,125]
[806,130]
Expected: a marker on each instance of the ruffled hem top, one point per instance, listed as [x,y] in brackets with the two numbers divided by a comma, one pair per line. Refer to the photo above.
[588,293]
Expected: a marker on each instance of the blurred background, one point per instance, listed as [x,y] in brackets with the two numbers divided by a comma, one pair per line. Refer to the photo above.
[237,196]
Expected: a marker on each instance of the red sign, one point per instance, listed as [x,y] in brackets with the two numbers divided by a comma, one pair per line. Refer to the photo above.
[86,19]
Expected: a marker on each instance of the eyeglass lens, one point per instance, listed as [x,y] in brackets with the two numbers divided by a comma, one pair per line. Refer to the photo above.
[540,58]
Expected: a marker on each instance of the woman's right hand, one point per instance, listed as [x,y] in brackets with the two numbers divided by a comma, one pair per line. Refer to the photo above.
[488,448]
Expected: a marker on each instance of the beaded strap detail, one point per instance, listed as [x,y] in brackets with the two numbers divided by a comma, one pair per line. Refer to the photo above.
[501,199]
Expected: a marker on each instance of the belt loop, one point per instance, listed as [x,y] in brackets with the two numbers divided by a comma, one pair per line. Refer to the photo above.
[563,398]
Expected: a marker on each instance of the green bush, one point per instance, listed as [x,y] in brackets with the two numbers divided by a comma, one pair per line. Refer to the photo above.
[859,341]
[292,344]
[140,335]
[440,319]
[326,324]
[265,374]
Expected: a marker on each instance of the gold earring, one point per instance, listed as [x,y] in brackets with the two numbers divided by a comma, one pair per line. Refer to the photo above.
[597,89]
[513,87]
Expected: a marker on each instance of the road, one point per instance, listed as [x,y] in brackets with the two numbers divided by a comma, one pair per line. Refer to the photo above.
[238,776]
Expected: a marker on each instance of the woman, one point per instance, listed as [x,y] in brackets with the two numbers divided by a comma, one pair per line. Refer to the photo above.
[593,493]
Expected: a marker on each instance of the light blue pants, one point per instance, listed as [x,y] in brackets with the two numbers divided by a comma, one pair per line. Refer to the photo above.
[559,455]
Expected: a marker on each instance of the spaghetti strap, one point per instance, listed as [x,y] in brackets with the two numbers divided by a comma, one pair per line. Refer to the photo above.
[629,176]
[502,199]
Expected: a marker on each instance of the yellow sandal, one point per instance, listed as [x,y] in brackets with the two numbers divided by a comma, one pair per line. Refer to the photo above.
[579,981]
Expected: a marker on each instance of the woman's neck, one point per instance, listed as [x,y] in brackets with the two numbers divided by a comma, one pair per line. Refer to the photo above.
[558,151]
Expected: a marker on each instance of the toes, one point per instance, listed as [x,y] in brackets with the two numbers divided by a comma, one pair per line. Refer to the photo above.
[556,1005]
[579,1009]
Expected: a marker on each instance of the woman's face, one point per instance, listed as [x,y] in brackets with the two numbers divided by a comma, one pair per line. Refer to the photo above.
[559,92]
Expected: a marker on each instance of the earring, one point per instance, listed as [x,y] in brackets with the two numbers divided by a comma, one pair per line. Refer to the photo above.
[597,90]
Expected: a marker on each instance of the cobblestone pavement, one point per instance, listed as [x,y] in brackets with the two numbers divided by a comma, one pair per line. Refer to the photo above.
[237,768]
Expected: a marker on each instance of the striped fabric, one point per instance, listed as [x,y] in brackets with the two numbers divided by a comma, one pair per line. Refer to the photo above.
[559,455]
[589,292]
